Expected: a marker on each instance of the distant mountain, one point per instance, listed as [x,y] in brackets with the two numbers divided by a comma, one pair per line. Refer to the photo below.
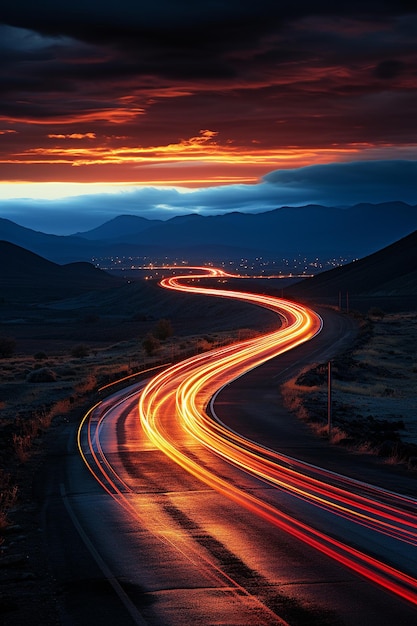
[313,231]
[390,272]
[57,248]
[118,228]
[28,277]
[68,248]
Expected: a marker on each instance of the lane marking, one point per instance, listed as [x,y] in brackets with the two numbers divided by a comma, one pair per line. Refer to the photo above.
[118,589]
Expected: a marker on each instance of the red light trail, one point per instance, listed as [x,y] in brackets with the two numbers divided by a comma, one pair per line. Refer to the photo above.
[182,394]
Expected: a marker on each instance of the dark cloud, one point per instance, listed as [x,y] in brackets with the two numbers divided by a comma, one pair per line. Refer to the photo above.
[202,39]
[350,183]
[389,69]
[279,75]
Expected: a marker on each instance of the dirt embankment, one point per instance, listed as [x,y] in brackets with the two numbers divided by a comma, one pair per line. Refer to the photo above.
[373,391]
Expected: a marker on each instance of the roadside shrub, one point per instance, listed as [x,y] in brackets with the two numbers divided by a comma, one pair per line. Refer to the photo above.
[150,344]
[163,329]
[313,377]
[7,347]
[41,375]
[203,345]
[80,352]
[22,445]
[40,356]
[8,497]
[87,384]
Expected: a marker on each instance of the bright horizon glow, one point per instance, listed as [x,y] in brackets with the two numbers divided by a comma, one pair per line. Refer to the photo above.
[60,190]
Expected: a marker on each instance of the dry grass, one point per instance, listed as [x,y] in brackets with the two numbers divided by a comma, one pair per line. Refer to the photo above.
[294,397]
[28,408]
[8,497]
[374,392]
[78,376]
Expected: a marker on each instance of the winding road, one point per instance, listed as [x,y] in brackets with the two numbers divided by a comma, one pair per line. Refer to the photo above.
[207,522]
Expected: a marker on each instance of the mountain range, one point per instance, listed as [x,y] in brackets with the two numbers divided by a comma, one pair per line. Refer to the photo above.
[312,231]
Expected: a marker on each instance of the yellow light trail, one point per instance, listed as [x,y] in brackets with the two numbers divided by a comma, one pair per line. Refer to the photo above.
[174,409]
[188,387]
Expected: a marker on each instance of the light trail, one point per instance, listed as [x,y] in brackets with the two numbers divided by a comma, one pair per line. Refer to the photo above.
[105,474]
[192,384]
[174,409]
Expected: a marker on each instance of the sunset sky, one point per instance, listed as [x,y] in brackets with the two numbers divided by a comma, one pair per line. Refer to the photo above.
[164,107]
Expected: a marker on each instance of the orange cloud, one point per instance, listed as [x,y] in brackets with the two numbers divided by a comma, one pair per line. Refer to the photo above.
[196,150]
[74,136]
[116,115]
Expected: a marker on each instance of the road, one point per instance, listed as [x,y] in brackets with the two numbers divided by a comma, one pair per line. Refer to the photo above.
[204,524]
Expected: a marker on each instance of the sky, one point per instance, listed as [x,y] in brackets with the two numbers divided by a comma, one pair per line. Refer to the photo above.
[165,107]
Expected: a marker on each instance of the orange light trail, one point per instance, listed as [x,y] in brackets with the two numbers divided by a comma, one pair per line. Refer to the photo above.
[197,379]
[96,460]
[176,409]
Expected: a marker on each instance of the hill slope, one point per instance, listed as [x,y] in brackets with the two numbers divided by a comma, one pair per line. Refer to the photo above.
[391,271]
[25,276]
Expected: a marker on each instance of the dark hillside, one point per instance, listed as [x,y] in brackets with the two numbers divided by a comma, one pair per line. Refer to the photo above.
[57,248]
[390,273]
[25,276]
[53,306]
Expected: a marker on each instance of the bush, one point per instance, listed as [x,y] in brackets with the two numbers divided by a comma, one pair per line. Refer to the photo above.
[42,375]
[7,347]
[150,344]
[8,497]
[81,351]
[40,356]
[163,330]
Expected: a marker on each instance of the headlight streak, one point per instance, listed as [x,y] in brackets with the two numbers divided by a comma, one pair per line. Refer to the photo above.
[194,381]
[267,465]
[108,478]
[97,467]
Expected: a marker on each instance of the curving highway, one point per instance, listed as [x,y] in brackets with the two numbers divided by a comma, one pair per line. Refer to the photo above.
[368,530]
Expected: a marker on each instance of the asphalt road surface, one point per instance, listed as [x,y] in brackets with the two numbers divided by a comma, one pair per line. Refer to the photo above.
[143,541]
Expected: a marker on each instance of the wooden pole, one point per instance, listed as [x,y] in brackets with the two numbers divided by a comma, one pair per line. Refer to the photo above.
[329,399]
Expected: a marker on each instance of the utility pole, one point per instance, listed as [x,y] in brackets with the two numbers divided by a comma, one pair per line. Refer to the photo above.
[329,399]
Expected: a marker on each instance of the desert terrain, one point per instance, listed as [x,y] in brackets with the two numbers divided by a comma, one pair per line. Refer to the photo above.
[67,351]
[63,352]
[373,391]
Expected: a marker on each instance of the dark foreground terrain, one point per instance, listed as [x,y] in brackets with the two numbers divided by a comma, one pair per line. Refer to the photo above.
[68,342]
